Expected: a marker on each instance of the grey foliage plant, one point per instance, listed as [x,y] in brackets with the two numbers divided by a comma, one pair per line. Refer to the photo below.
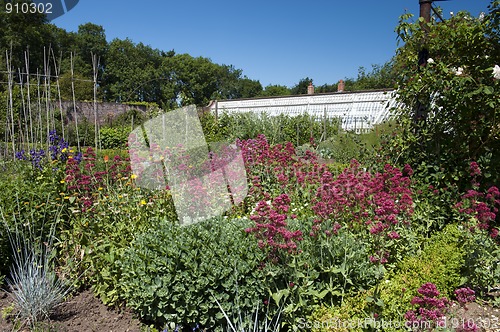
[35,288]
[249,323]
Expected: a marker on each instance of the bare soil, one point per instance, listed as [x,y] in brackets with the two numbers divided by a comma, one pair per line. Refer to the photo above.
[82,312]
[486,318]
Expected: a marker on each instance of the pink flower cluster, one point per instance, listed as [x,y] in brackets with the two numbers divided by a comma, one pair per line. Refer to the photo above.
[431,310]
[83,180]
[271,226]
[465,295]
[279,164]
[483,207]
[356,198]
[361,200]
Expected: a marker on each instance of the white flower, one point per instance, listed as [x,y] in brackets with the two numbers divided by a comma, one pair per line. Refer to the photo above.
[496,72]
[430,60]
[458,71]
[481,16]
[451,13]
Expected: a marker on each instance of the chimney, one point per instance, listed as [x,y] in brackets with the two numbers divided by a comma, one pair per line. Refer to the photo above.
[310,89]
[341,86]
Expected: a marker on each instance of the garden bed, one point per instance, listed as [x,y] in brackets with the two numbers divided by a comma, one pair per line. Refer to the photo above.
[81,312]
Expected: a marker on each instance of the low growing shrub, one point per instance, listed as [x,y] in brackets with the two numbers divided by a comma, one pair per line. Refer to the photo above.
[338,317]
[440,262]
[114,137]
[174,274]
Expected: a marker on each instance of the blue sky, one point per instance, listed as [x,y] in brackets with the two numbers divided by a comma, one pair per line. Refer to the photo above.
[273,41]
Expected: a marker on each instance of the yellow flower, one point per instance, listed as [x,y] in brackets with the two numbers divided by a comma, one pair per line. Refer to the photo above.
[100,188]
[143,202]
[133,176]
[62,181]
[64,150]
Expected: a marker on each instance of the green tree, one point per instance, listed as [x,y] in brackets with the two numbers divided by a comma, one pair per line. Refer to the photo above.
[132,72]
[195,79]
[20,32]
[91,39]
[380,77]
[325,88]
[248,88]
[83,86]
[301,87]
[275,90]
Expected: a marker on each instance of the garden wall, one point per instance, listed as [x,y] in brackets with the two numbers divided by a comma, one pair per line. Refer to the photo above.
[106,112]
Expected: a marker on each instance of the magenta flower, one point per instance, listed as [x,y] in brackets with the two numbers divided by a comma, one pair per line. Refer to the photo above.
[465,295]
[429,308]
[474,169]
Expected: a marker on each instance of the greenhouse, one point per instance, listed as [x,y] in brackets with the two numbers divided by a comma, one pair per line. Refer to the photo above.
[358,111]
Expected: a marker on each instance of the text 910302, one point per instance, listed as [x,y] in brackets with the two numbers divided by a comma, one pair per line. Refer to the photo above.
[28,8]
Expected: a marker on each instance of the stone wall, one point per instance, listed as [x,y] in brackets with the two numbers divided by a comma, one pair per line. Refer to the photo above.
[106,112]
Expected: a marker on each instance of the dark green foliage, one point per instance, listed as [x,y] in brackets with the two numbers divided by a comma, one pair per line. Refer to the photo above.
[433,194]
[301,87]
[20,30]
[451,105]
[482,261]
[5,252]
[275,90]
[174,274]
[114,138]
[85,132]
[380,77]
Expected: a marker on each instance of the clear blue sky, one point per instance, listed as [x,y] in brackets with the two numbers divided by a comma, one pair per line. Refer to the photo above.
[273,41]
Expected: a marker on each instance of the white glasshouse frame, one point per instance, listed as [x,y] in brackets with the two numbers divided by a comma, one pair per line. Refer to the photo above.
[358,111]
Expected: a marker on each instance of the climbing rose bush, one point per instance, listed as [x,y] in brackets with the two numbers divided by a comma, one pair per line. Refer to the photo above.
[448,93]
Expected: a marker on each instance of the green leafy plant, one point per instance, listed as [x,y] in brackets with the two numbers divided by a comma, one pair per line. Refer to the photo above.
[278,129]
[326,270]
[171,274]
[481,269]
[113,137]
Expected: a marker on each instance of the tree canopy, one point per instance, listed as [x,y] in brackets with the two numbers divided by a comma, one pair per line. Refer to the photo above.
[128,71]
